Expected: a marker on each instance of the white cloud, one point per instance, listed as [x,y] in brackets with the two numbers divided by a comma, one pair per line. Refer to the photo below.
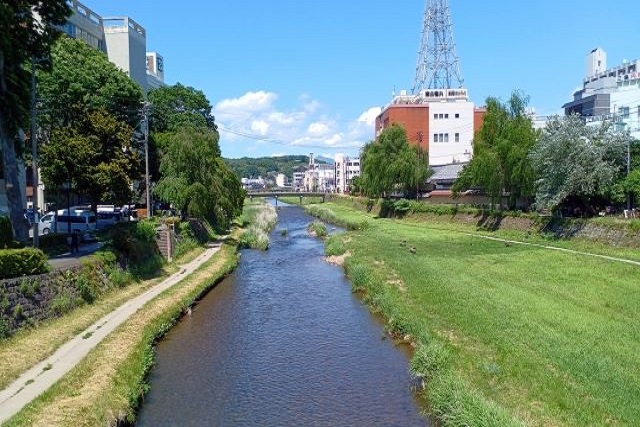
[254,121]
[247,103]
[260,127]
[318,129]
[369,116]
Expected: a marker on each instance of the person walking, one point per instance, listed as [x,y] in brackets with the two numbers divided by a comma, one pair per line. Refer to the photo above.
[75,241]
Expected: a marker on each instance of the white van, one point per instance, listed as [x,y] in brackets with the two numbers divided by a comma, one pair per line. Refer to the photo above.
[64,222]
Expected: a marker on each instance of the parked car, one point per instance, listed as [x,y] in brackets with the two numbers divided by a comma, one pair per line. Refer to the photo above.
[67,221]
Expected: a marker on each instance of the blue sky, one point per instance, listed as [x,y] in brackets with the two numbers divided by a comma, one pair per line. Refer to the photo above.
[309,76]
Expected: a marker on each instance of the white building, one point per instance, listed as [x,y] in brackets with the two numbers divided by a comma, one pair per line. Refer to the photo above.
[281,180]
[440,121]
[609,94]
[319,177]
[155,70]
[346,169]
[298,179]
[126,42]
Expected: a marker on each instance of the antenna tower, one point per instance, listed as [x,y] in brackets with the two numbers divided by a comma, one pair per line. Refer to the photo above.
[438,65]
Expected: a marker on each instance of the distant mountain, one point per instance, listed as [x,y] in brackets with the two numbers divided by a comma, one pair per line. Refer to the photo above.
[248,167]
[322,159]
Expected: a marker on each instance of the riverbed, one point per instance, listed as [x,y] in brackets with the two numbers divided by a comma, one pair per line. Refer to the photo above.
[281,342]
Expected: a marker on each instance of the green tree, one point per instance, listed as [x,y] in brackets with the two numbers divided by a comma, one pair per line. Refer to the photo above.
[83,80]
[500,148]
[177,106]
[95,155]
[390,164]
[23,38]
[195,179]
[574,161]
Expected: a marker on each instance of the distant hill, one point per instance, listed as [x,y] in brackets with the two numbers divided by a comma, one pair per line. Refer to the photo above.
[248,167]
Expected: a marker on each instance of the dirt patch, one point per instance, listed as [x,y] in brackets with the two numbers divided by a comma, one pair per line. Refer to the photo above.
[338,259]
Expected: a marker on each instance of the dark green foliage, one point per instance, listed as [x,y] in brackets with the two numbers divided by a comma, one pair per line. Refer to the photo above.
[83,80]
[254,167]
[196,180]
[28,30]
[501,147]
[95,154]
[136,247]
[176,107]
[390,164]
[6,232]
[53,240]
[22,262]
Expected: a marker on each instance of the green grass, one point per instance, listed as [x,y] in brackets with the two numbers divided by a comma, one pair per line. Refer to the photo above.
[506,334]
[259,219]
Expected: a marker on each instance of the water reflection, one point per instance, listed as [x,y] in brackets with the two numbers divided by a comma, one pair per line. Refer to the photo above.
[281,342]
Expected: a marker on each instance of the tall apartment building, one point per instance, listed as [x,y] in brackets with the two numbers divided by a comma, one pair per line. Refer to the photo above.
[440,121]
[609,94]
[122,39]
[346,168]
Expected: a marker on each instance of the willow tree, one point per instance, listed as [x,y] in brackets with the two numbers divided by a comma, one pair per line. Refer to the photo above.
[390,164]
[500,165]
[195,179]
[28,30]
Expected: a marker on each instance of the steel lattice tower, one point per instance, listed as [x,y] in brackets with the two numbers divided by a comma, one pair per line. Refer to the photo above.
[438,65]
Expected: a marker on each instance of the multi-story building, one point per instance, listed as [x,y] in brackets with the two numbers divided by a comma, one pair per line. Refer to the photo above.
[439,121]
[346,169]
[609,94]
[122,39]
[319,177]
[155,70]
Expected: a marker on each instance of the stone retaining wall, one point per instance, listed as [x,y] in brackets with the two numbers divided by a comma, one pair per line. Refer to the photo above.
[30,299]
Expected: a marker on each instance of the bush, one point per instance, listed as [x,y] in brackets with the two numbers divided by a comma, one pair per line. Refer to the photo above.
[318,229]
[22,262]
[53,240]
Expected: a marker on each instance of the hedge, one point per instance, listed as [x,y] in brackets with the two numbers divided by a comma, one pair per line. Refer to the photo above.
[22,262]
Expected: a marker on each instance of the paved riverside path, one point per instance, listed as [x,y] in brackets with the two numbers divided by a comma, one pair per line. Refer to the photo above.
[39,378]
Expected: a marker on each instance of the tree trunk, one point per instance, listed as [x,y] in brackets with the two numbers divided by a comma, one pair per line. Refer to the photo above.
[12,183]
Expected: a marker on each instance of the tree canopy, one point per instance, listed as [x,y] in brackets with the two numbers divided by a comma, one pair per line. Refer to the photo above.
[88,110]
[82,80]
[178,106]
[195,179]
[390,164]
[28,30]
[574,160]
[95,155]
[500,148]
[193,176]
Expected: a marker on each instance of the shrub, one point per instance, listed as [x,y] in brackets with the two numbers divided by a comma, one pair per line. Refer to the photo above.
[22,262]
[335,246]
[53,240]
[318,228]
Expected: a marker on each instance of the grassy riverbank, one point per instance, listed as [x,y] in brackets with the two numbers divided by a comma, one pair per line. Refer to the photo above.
[106,387]
[506,334]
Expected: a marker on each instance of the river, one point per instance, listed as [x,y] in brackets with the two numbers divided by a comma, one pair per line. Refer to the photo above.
[281,342]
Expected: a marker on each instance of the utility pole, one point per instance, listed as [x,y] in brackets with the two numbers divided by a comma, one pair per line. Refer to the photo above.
[34,155]
[145,130]
[628,170]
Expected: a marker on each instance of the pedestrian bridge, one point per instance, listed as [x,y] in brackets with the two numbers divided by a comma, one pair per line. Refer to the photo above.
[278,194]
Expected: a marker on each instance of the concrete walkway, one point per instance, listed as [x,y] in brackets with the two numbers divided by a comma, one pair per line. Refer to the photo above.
[67,259]
[38,379]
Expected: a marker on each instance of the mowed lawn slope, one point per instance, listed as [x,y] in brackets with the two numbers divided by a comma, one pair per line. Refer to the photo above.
[552,337]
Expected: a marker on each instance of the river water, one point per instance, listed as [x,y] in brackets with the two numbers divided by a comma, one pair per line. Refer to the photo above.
[281,342]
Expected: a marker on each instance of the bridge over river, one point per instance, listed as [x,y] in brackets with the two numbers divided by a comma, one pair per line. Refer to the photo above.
[278,194]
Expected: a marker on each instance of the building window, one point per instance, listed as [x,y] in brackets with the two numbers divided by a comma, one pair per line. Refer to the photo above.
[446,116]
[441,116]
[457,137]
[457,115]
[435,117]
[446,137]
[435,137]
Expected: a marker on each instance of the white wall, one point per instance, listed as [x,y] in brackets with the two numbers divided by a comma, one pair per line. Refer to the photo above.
[442,152]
